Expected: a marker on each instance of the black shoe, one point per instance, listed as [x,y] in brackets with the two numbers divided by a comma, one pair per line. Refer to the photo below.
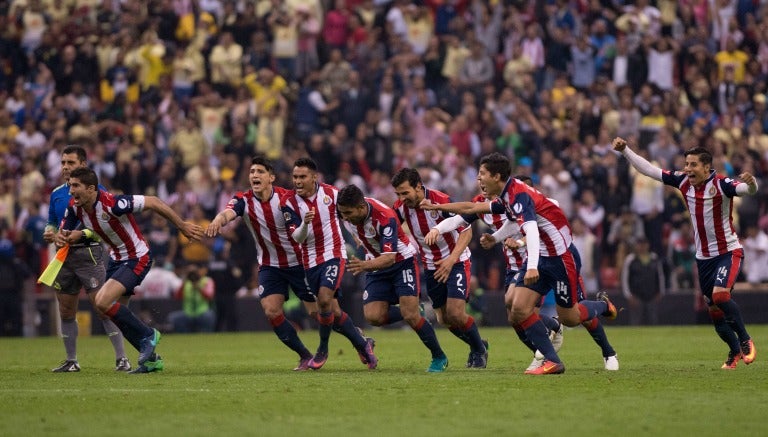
[122,365]
[67,366]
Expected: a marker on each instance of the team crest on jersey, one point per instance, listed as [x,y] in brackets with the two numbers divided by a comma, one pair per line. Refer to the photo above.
[434,214]
[712,191]
[370,230]
[104,216]
[327,200]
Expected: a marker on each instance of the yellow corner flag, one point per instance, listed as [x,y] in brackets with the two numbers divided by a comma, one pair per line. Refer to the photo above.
[50,272]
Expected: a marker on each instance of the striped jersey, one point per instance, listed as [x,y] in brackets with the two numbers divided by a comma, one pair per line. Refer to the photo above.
[711,209]
[381,233]
[525,204]
[112,219]
[267,223]
[421,221]
[515,257]
[324,239]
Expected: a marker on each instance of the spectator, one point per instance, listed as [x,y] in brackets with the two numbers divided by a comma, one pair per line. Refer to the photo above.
[642,282]
[196,293]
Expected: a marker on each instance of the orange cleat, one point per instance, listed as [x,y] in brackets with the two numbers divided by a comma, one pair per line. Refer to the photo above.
[732,361]
[547,368]
[748,351]
[611,312]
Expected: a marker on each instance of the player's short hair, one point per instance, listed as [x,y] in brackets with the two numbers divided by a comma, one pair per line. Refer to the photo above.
[262,160]
[77,150]
[406,174]
[306,162]
[704,156]
[496,164]
[86,176]
[350,196]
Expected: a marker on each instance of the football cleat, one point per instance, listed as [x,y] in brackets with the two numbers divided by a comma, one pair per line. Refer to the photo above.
[748,351]
[369,358]
[122,365]
[611,312]
[556,337]
[611,363]
[547,368]
[438,364]
[303,364]
[732,361]
[154,364]
[148,345]
[538,360]
[318,360]
[67,366]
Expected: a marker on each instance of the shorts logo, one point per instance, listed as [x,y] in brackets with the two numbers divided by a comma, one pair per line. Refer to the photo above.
[94,283]
[260,290]
[327,200]
[365,295]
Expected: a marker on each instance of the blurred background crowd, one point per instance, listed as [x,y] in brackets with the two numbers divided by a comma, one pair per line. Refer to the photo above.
[172,98]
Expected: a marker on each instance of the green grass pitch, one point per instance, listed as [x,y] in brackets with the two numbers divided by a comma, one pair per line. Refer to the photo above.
[670,383]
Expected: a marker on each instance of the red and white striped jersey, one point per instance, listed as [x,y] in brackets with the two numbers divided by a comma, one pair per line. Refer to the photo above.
[525,204]
[381,233]
[111,218]
[324,239]
[421,221]
[711,209]
[515,257]
[266,221]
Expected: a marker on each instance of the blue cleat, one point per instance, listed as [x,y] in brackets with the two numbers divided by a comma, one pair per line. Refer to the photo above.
[438,364]
[148,345]
[478,360]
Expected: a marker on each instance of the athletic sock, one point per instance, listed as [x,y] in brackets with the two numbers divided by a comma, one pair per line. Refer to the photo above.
[344,326]
[473,335]
[538,335]
[288,335]
[596,330]
[427,335]
[724,330]
[589,309]
[69,335]
[524,338]
[394,315]
[326,324]
[551,323]
[115,336]
[733,318]
[133,329]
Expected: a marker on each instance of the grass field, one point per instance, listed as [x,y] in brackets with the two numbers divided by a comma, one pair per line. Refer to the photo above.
[670,383]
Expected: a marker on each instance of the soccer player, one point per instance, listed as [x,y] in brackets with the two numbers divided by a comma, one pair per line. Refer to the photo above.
[552,265]
[392,276]
[718,251]
[447,261]
[515,256]
[278,254]
[83,267]
[111,217]
[313,222]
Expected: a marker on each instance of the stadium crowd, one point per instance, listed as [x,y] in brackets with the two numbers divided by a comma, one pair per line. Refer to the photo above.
[173,97]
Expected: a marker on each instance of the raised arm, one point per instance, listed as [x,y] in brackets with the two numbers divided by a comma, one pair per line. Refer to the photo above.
[637,161]
[458,207]
[447,225]
[189,229]
[221,220]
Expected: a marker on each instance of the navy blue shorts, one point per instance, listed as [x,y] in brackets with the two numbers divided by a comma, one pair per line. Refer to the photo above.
[327,274]
[402,279]
[130,273]
[275,280]
[455,288]
[720,271]
[561,274]
[511,277]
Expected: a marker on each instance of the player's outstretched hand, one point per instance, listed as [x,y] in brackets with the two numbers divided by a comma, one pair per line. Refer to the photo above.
[748,178]
[214,227]
[427,204]
[431,237]
[619,144]
[192,231]
[355,266]
[487,241]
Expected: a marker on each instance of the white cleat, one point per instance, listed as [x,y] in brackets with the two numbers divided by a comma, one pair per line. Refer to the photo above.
[556,337]
[538,360]
[611,363]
